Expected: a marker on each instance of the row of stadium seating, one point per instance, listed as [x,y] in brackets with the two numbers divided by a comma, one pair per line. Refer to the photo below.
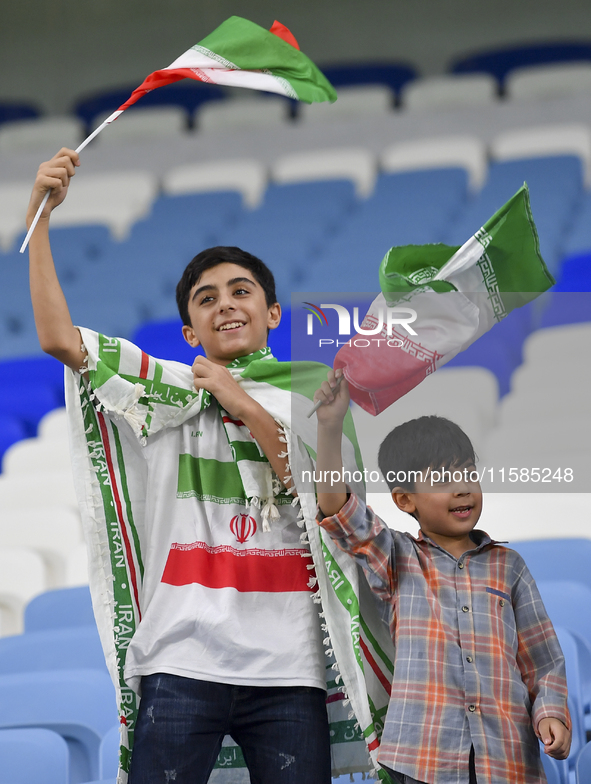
[53,676]
[497,64]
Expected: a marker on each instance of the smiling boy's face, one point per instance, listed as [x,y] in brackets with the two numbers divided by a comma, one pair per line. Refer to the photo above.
[446,512]
[229,314]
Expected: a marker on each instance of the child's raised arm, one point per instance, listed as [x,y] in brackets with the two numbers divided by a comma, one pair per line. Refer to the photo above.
[57,335]
[332,493]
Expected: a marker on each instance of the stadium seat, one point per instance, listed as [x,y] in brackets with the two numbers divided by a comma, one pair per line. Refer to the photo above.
[33,371]
[354,102]
[53,425]
[567,309]
[109,753]
[412,207]
[28,401]
[545,140]
[51,488]
[552,342]
[43,136]
[238,114]
[559,559]
[74,248]
[449,92]
[73,648]
[78,704]
[189,94]
[77,567]
[59,609]
[540,82]
[11,111]
[522,518]
[568,601]
[33,454]
[499,62]
[14,200]
[575,274]
[395,75]
[247,177]
[12,429]
[556,770]
[52,533]
[578,240]
[468,152]
[573,678]
[583,765]
[116,199]
[163,124]
[22,575]
[33,756]
[355,164]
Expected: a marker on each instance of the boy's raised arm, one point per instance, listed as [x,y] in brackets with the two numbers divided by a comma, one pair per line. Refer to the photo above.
[332,493]
[57,335]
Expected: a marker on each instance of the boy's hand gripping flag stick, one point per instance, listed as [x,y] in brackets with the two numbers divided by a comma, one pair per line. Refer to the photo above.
[319,403]
[238,53]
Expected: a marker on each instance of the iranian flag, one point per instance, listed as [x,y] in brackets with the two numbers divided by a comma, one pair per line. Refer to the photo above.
[239,53]
[457,294]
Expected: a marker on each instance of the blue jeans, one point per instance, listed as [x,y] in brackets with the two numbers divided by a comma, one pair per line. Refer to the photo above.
[282,731]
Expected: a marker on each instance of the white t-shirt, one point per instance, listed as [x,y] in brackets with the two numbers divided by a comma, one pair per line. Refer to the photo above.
[221,600]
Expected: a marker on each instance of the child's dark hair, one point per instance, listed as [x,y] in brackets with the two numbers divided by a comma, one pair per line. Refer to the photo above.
[222,255]
[427,442]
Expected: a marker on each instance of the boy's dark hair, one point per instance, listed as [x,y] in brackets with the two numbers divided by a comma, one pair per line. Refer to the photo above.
[211,257]
[427,442]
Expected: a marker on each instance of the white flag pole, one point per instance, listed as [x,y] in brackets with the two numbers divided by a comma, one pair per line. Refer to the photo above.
[86,141]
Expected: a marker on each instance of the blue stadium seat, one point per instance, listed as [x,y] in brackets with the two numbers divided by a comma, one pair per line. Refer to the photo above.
[109,753]
[12,429]
[575,273]
[33,756]
[555,185]
[75,247]
[574,683]
[62,608]
[10,111]
[28,402]
[79,704]
[56,649]
[32,371]
[395,75]
[583,765]
[557,559]
[566,308]
[568,603]
[578,240]
[291,227]
[556,770]
[188,95]
[499,62]
[406,208]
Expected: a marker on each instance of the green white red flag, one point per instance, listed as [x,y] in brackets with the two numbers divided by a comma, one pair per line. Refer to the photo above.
[239,53]
[457,293]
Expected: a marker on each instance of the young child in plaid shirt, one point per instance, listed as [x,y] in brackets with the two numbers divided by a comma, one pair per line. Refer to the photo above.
[479,675]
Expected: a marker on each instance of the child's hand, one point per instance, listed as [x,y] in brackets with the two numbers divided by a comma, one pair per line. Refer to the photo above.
[555,737]
[335,402]
[218,380]
[53,175]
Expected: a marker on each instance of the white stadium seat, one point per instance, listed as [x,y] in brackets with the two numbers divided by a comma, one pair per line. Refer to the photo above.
[355,102]
[40,489]
[115,199]
[77,567]
[54,425]
[555,80]
[355,164]
[450,91]
[42,135]
[236,114]
[142,124]
[22,576]
[14,200]
[467,152]
[53,533]
[544,140]
[38,455]
[248,177]
[558,344]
